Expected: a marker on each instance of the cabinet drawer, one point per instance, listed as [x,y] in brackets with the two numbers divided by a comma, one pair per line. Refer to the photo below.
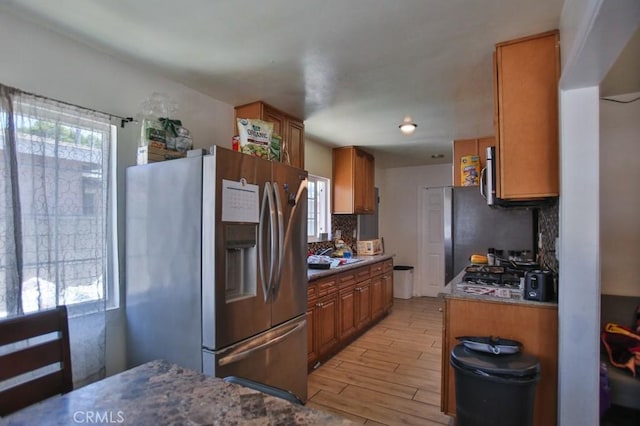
[387,265]
[345,279]
[362,273]
[326,287]
[312,294]
[376,269]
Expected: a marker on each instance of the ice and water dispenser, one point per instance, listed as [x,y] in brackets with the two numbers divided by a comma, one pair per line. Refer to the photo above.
[240,244]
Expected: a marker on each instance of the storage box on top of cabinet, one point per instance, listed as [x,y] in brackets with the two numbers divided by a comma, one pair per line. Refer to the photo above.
[152,154]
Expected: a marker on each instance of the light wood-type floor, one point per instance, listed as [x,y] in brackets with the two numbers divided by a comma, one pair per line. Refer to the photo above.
[391,374]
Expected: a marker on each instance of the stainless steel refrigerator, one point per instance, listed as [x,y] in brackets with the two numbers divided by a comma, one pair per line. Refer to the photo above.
[216,277]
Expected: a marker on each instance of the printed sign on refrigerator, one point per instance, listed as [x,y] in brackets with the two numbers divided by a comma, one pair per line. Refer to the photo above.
[240,201]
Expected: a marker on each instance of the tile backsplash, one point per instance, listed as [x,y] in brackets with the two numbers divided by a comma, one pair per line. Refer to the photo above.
[347,224]
[548,220]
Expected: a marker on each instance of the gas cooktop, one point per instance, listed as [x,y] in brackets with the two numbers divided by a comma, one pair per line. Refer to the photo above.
[499,281]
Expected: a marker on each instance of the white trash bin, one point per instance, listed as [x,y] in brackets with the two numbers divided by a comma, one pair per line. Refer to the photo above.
[402,282]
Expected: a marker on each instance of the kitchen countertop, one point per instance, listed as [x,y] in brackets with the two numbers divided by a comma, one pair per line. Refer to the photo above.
[314,274]
[453,291]
[161,393]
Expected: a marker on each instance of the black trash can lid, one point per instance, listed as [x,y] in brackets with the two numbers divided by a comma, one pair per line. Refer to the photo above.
[516,365]
[402,268]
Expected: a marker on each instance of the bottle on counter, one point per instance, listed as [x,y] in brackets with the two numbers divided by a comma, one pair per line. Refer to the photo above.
[499,256]
[491,256]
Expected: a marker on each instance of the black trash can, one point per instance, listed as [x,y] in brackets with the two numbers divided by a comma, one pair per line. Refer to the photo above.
[494,390]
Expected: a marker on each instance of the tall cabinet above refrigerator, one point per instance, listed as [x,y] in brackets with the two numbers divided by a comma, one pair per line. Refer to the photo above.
[216,275]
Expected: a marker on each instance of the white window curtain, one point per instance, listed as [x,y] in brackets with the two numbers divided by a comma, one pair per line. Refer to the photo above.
[54,174]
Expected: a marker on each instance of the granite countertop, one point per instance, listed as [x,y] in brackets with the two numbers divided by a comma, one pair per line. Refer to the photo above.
[160,393]
[314,274]
[453,291]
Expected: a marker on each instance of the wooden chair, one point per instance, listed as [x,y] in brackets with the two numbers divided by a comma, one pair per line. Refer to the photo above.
[29,356]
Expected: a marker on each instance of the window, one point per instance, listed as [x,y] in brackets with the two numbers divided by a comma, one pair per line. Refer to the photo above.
[57,211]
[318,211]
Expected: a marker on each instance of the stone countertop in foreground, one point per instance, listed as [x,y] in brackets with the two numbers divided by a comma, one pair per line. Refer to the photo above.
[160,393]
[314,274]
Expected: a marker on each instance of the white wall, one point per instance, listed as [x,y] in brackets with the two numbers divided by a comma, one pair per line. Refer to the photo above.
[39,61]
[579,284]
[619,197]
[317,159]
[592,33]
[399,189]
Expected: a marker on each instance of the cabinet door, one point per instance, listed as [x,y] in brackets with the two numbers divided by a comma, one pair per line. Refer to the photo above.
[363,303]
[377,297]
[364,175]
[360,182]
[277,118]
[347,312]
[369,187]
[536,327]
[387,290]
[295,143]
[327,323]
[343,180]
[527,98]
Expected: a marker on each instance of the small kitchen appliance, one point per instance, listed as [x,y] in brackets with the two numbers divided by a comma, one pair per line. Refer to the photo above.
[539,285]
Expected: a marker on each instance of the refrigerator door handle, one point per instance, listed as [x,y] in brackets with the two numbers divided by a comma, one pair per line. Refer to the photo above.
[287,235]
[272,229]
[247,349]
[266,203]
[280,222]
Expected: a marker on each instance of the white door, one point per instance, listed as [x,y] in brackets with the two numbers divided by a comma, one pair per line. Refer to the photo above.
[431,242]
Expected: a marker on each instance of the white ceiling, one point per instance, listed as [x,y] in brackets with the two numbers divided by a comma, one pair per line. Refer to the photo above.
[352,69]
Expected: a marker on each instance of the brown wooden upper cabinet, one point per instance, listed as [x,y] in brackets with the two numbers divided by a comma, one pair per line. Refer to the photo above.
[526,116]
[353,181]
[290,128]
[464,147]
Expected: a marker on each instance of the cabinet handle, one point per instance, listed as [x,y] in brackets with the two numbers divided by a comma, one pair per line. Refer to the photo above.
[358,289]
[319,305]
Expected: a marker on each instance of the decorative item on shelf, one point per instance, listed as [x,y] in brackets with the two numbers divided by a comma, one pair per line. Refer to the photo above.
[256,138]
[178,137]
[370,247]
[161,138]
[470,170]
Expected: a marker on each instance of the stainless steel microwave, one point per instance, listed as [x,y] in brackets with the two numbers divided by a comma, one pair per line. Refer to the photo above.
[489,183]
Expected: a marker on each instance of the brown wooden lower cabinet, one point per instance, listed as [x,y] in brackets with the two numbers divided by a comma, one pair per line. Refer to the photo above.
[343,305]
[312,347]
[327,323]
[378,302]
[387,291]
[347,312]
[363,303]
[535,326]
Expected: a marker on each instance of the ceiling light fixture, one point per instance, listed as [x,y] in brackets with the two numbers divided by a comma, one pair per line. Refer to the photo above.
[407,127]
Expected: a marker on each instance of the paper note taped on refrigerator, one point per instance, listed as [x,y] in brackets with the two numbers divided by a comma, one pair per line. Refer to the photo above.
[240,201]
